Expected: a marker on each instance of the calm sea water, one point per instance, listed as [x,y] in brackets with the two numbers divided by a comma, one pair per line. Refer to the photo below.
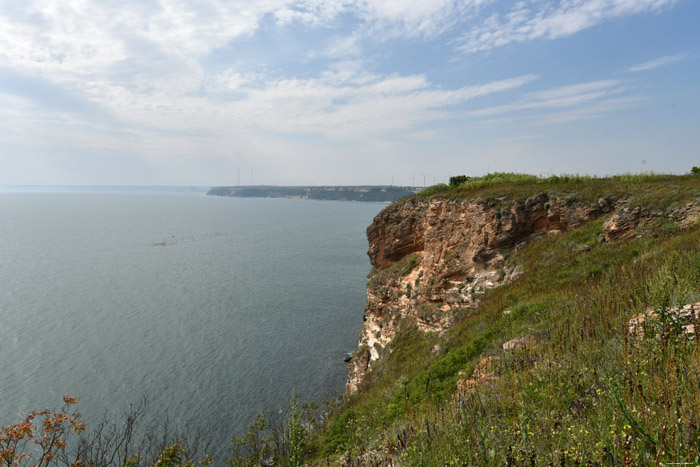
[213,308]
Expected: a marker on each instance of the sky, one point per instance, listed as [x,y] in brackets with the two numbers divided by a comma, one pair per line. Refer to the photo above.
[344,92]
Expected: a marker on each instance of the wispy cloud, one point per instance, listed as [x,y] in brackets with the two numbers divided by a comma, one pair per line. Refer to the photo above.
[560,97]
[532,19]
[144,64]
[564,104]
[657,62]
[348,105]
[87,37]
[590,110]
[415,17]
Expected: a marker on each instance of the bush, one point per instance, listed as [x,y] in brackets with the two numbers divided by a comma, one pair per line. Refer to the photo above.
[48,430]
[457,180]
[43,438]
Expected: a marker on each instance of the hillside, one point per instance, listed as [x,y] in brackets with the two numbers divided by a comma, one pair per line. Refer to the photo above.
[501,327]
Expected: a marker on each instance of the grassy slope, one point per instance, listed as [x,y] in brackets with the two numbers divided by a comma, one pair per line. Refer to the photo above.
[586,392]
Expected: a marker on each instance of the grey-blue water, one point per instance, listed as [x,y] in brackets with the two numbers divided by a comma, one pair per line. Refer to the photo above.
[214,308]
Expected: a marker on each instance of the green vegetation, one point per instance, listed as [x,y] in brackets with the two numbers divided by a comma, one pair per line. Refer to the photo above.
[401,268]
[586,393]
[432,190]
[650,186]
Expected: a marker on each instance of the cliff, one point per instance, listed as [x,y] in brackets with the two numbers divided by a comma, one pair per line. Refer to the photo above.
[433,259]
[519,320]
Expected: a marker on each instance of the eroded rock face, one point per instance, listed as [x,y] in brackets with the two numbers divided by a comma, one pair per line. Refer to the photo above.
[478,227]
[628,222]
[434,259]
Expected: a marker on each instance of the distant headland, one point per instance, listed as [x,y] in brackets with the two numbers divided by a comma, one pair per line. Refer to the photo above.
[370,193]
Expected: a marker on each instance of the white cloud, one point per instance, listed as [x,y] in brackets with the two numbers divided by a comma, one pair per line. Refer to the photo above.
[56,36]
[230,80]
[589,111]
[141,61]
[85,37]
[532,19]
[144,48]
[416,17]
[310,11]
[340,48]
[566,103]
[359,105]
[661,61]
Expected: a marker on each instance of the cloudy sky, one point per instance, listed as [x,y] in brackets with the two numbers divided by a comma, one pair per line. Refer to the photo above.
[204,92]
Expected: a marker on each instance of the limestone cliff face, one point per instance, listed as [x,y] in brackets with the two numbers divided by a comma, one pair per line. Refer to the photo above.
[629,222]
[434,259]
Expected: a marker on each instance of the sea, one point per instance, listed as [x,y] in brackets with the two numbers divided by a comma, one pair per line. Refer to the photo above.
[212,309]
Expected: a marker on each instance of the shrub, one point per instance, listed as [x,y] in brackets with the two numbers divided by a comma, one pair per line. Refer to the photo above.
[253,447]
[47,429]
[457,180]
[42,439]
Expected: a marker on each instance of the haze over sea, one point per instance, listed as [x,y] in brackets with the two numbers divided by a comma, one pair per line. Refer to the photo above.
[213,308]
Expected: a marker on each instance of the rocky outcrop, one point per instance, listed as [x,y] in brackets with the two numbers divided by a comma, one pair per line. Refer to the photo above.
[481,228]
[433,259]
[629,222]
[483,375]
[674,321]
[520,343]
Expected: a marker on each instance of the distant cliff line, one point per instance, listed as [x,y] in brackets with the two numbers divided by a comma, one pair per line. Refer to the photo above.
[368,193]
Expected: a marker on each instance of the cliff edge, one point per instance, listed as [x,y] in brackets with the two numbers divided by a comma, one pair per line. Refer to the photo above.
[434,258]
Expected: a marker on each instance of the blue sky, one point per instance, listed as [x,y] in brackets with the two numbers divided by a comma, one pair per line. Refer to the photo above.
[184,92]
